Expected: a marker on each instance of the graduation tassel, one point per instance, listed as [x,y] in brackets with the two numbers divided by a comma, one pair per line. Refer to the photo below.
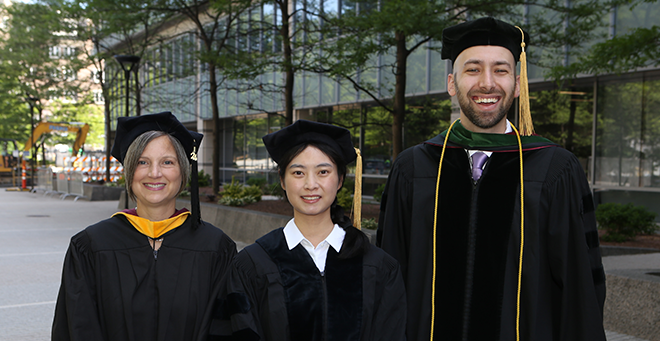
[525,120]
[357,195]
[194,191]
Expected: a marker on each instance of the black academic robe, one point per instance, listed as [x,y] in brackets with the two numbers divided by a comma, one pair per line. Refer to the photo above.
[276,294]
[478,244]
[113,288]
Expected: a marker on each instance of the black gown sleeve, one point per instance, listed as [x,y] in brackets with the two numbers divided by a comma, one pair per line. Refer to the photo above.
[574,254]
[76,312]
[250,303]
[394,223]
[389,310]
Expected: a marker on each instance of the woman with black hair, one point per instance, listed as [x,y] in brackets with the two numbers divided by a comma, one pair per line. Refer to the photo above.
[317,278]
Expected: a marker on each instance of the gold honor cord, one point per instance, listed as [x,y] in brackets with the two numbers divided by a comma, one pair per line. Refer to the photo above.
[522,232]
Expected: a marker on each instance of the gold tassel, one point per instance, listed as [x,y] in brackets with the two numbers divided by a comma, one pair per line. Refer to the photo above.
[357,196]
[525,120]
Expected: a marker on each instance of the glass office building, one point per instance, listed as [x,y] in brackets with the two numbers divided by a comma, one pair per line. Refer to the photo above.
[611,122]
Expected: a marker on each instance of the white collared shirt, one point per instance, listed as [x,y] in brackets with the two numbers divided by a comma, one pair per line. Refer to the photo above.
[472,151]
[319,253]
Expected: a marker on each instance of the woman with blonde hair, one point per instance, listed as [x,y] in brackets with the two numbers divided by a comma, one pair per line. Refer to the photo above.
[146,273]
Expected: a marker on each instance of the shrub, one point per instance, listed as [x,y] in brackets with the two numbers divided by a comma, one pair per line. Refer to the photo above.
[203,179]
[624,222]
[370,224]
[378,194]
[345,198]
[259,182]
[184,193]
[349,184]
[236,194]
[252,191]
[275,189]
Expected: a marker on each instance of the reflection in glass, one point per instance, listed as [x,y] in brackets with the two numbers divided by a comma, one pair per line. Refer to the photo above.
[627,152]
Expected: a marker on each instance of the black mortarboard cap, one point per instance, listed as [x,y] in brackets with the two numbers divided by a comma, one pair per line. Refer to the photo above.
[483,31]
[129,128]
[302,131]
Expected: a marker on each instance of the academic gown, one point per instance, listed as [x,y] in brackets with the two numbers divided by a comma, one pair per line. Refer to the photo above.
[114,288]
[276,294]
[478,241]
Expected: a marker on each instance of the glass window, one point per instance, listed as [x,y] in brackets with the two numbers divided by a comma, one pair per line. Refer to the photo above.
[267,26]
[566,118]
[249,151]
[644,14]
[628,143]
[416,78]
[255,18]
[169,61]
[176,58]
[327,90]
[348,7]
[438,70]
[331,6]
[366,6]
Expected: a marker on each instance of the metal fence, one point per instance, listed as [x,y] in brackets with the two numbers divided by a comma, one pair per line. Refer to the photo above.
[65,184]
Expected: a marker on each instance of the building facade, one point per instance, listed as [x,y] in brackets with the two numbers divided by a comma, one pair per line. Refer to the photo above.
[611,122]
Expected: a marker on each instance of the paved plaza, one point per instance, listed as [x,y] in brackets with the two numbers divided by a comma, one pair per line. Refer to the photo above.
[34,236]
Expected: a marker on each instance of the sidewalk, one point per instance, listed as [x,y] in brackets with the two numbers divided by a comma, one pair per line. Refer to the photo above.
[632,305]
[35,234]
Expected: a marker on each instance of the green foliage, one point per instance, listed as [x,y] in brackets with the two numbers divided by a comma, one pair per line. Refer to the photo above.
[370,224]
[184,193]
[349,184]
[232,190]
[235,194]
[203,179]
[565,119]
[258,181]
[378,194]
[82,111]
[345,198]
[624,222]
[275,189]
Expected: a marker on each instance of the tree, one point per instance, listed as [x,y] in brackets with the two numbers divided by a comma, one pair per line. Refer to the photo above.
[84,113]
[401,27]
[625,51]
[215,23]
[104,28]
[15,121]
[41,55]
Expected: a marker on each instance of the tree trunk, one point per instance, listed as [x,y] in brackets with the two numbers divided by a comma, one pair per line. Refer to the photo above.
[289,72]
[138,92]
[108,145]
[399,108]
[213,87]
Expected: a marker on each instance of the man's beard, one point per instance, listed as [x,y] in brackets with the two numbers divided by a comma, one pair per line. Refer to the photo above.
[482,121]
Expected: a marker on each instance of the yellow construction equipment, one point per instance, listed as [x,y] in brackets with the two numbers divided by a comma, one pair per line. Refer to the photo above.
[80,129]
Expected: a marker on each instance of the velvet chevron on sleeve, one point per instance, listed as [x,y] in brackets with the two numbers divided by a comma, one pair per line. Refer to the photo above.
[478,241]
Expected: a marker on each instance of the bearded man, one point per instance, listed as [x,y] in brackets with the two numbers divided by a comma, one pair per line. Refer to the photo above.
[478,262]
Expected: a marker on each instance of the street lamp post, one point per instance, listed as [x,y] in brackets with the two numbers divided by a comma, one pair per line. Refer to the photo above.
[127,62]
[31,102]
